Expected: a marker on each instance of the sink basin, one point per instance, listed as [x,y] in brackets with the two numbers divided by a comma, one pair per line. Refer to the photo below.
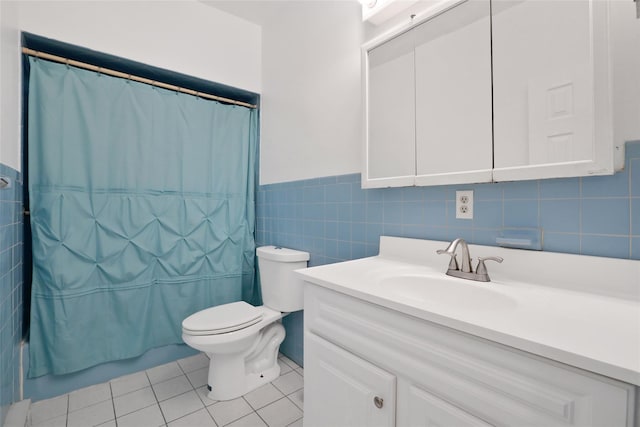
[432,289]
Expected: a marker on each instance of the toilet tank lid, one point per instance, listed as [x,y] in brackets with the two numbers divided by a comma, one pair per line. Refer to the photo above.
[276,253]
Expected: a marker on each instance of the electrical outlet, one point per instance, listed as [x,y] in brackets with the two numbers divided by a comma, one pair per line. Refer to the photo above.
[464,204]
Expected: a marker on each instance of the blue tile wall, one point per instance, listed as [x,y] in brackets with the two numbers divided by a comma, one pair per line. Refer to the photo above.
[11,288]
[335,220]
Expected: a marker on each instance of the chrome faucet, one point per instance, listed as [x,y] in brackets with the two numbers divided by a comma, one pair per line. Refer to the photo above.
[466,271]
[451,251]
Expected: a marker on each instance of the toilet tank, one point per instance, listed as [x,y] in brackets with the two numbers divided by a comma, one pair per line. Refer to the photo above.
[281,289]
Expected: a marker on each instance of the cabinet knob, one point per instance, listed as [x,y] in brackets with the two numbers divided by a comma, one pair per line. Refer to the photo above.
[378,401]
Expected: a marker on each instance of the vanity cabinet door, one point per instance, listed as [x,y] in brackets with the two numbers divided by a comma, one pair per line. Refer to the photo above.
[418,407]
[453,96]
[342,389]
[390,118]
[551,89]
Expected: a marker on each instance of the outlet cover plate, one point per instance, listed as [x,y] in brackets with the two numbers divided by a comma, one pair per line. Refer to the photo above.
[464,204]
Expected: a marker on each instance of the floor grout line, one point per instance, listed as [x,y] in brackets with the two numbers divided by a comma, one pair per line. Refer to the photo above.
[290,424]
[66,421]
[113,404]
[156,397]
[260,416]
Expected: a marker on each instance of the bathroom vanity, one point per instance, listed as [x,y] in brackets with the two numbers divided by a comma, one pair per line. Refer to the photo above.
[553,339]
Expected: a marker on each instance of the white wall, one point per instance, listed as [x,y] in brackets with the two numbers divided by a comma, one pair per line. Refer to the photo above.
[311,104]
[10,77]
[184,36]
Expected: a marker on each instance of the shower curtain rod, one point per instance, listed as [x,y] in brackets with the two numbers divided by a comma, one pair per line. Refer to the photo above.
[114,73]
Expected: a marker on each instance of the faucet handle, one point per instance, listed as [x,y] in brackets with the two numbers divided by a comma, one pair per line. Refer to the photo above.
[453,263]
[482,269]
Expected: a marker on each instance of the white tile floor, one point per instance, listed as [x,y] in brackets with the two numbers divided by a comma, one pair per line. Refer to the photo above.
[175,395]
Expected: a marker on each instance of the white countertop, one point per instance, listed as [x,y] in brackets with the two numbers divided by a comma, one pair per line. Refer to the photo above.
[582,328]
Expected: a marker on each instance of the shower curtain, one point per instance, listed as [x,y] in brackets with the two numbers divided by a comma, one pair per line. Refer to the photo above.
[142,212]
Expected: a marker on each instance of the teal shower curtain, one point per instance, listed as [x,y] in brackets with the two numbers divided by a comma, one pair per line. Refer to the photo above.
[142,212]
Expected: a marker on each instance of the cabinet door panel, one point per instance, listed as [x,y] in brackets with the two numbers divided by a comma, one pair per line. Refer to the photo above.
[453,96]
[560,112]
[547,84]
[418,407]
[391,111]
[340,388]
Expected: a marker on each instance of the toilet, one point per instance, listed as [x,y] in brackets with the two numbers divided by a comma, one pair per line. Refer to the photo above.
[242,340]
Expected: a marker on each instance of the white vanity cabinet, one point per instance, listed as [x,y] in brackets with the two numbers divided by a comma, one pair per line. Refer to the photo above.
[368,365]
[479,91]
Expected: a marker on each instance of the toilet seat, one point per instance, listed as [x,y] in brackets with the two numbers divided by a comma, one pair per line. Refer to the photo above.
[222,319]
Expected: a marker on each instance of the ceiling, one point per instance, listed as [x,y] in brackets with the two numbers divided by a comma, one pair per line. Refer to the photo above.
[256,11]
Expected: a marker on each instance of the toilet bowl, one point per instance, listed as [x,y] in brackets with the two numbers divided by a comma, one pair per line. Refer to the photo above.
[242,340]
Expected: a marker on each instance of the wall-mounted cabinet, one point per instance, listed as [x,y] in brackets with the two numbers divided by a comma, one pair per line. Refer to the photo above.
[477,91]
[391,131]
[378,11]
